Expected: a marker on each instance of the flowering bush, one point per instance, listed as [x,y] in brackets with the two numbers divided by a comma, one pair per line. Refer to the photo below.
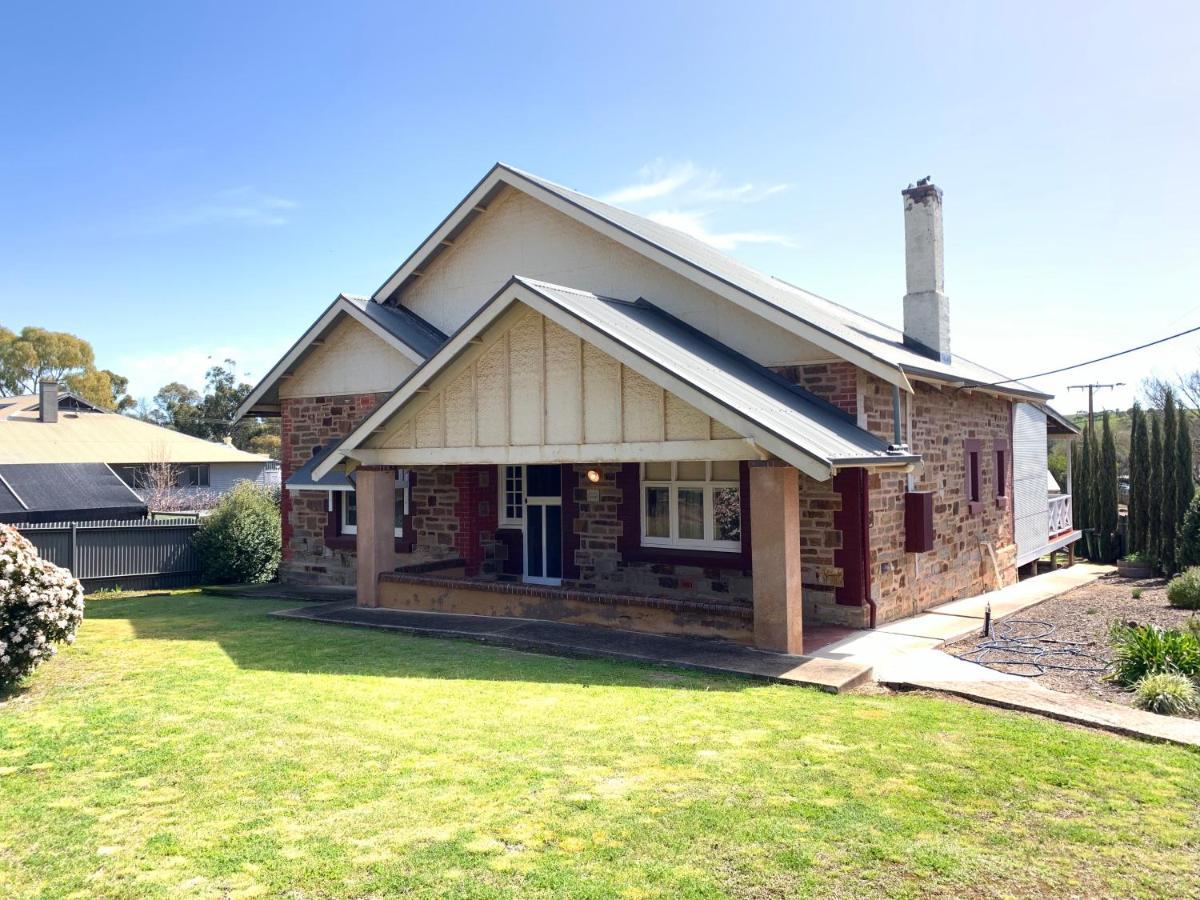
[40,605]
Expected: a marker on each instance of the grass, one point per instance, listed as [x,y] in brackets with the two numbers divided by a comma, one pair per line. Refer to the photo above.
[188,745]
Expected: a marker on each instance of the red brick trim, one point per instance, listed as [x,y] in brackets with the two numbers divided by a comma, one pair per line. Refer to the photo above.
[630,543]
[854,556]
[571,539]
[972,445]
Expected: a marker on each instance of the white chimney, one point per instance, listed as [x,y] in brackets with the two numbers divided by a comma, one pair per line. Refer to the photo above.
[48,401]
[926,307]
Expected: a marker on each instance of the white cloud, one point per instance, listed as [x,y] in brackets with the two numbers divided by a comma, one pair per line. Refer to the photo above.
[244,206]
[697,196]
[659,179]
[147,372]
[693,223]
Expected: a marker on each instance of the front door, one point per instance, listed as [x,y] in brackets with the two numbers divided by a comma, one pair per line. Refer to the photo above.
[543,524]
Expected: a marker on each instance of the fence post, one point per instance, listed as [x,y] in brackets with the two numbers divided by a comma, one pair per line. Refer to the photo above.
[74,549]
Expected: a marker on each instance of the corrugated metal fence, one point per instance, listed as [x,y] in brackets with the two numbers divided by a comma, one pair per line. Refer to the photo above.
[134,554]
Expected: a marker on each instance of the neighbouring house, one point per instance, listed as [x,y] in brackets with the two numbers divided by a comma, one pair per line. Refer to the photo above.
[555,408]
[65,492]
[93,448]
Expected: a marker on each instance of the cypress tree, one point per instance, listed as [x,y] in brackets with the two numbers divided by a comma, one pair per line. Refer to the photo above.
[1106,492]
[1139,483]
[1170,478]
[1086,493]
[1184,486]
[1076,481]
[1153,519]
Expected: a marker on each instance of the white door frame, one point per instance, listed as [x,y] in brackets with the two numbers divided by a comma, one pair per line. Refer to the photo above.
[543,502]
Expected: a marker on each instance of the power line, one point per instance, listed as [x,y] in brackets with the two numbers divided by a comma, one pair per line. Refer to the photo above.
[1096,360]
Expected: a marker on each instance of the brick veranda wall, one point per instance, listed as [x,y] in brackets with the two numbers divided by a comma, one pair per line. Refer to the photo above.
[973,549]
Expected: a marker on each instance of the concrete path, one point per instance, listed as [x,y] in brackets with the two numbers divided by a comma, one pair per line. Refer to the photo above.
[905,655]
[957,619]
[560,638]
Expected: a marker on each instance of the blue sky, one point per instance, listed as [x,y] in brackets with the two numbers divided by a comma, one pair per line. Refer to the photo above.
[180,182]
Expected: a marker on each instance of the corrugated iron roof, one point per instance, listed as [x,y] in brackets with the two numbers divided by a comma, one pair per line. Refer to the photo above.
[302,479]
[32,492]
[793,414]
[877,338]
[402,326]
[84,436]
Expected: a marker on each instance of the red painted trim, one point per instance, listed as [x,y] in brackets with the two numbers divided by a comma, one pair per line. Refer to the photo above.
[854,556]
[630,543]
[571,487]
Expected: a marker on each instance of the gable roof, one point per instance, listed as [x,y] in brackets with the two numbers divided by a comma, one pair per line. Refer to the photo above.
[869,344]
[399,327]
[88,435]
[61,491]
[780,418]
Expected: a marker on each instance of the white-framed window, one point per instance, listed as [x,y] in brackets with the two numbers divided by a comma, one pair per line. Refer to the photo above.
[195,476]
[511,502]
[692,505]
[350,506]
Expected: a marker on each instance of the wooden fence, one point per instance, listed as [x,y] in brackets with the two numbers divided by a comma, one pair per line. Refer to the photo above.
[134,554]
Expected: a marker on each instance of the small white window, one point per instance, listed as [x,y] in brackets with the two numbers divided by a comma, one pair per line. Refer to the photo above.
[350,506]
[692,505]
[511,503]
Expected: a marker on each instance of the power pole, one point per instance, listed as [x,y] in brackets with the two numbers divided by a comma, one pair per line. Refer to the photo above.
[1091,389]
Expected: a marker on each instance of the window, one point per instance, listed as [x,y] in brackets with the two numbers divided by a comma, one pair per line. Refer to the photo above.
[195,476]
[973,476]
[692,505]
[350,506]
[1001,474]
[512,497]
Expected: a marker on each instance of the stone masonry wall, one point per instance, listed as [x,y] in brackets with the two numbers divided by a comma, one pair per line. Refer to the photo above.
[973,548]
[834,382]
[601,525]
[306,424]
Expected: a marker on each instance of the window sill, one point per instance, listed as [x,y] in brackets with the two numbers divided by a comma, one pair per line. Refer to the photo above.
[974,507]
[707,559]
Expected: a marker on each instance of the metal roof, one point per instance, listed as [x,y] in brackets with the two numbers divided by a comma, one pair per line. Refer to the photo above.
[62,491]
[793,414]
[877,340]
[780,417]
[336,480]
[87,436]
[402,328]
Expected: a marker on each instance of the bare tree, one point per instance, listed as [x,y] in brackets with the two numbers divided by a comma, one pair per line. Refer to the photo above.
[159,485]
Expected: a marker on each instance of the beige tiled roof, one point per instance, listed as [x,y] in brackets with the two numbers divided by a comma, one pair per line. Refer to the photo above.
[81,436]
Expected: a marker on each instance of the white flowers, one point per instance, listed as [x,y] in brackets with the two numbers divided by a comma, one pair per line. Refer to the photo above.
[40,605]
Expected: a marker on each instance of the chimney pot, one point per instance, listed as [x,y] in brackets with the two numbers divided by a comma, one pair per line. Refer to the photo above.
[48,401]
[926,306]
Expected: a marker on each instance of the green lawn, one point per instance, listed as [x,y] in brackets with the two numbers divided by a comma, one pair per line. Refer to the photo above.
[188,745]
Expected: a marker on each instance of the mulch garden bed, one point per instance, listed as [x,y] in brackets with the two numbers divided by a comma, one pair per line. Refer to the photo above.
[1082,618]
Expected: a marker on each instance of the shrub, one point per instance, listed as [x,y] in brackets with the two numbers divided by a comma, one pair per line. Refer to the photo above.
[41,605]
[1137,558]
[1136,593]
[241,540]
[1142,650]
[1183,591]
[1188,549]
[1167,693]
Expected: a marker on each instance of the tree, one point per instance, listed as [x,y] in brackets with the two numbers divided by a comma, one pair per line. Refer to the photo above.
[37,354]
[1153,519]
[210,415]
[1106,492]
[1139,484]
[1085,491]
[102,387]
[1170,492]
[1184,485]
